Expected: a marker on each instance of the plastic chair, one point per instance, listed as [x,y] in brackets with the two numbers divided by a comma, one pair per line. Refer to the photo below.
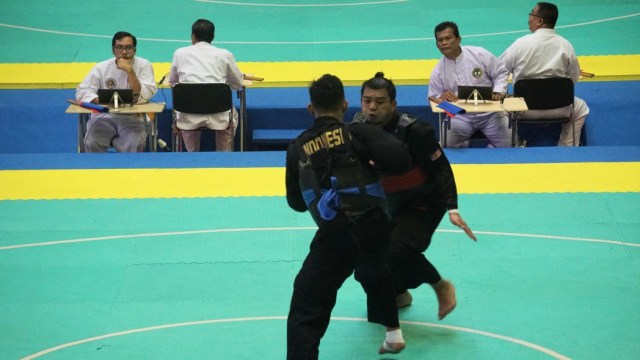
[204,98]
[544,94]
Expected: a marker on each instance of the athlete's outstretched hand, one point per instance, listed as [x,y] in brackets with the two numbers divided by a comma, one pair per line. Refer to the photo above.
[457,220]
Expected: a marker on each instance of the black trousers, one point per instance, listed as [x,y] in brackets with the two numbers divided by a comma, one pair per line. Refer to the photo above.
[340,247]
[413,226]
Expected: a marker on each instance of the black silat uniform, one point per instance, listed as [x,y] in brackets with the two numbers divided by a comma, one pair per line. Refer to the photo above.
[353,233]
[417,201]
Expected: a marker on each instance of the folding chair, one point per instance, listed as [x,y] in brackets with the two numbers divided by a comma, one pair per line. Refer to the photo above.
[544,94]
[204,98]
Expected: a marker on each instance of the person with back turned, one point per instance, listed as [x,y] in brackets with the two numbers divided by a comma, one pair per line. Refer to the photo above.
[545,54]
[330,172]
[202,62]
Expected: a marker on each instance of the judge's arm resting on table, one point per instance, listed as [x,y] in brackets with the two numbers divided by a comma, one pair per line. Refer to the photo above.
[447,95]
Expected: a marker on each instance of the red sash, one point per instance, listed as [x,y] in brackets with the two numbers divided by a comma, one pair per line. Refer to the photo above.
[406,181]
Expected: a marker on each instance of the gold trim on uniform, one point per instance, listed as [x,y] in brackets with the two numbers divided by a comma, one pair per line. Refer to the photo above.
[326,140]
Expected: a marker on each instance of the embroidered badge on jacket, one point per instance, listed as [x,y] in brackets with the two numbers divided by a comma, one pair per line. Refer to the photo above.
[477,73]
[110,83]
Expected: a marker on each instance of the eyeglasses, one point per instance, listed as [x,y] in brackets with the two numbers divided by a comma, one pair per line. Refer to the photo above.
[532,14]
[122,48]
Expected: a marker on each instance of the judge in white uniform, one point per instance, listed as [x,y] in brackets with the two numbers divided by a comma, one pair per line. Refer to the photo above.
[124,132]
[545,54]
[202,62]
[469,65]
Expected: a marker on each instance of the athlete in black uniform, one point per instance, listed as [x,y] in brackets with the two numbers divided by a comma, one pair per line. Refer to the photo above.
[330,173]
[418,199]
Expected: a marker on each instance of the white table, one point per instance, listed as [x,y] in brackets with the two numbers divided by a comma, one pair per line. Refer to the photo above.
[509,105]
[143,109]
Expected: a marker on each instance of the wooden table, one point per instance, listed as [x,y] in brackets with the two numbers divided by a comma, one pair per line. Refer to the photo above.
[143,109]
[509,105]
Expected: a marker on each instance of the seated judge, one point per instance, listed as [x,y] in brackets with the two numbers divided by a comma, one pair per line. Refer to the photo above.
[202,62]
[124,132]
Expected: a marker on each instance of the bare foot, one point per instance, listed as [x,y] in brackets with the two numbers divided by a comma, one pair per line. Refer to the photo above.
[446,293]
[391,348]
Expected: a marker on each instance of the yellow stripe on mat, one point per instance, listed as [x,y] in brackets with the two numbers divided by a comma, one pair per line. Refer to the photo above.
[179,183]
[292,74]
[552,178]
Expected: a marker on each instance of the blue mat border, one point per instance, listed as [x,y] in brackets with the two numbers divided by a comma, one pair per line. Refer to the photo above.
[35,122]
[277,158]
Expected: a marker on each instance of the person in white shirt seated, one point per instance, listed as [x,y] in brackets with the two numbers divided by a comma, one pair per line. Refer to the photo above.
[545,54]
[469,66]
[202,62]
[124,132]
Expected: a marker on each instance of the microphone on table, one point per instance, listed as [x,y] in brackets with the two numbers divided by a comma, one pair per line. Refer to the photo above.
[162,80]
[163,145]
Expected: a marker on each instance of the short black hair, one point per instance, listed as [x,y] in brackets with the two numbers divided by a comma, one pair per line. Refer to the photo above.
[379,82]
[326,93]
[203,30]
[123,34]
[447,24]
[549,13]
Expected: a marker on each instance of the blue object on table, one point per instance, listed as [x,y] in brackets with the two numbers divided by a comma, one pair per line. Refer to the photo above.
[94,107]
[451,109]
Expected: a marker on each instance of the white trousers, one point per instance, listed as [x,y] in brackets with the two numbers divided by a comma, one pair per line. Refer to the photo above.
[224,138]
[580,112]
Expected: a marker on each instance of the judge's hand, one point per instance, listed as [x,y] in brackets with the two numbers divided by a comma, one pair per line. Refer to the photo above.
[498,96]
[448,96]
[125,65]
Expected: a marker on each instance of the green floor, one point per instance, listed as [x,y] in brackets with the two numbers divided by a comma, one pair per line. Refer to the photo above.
[67,31]
[552,276]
